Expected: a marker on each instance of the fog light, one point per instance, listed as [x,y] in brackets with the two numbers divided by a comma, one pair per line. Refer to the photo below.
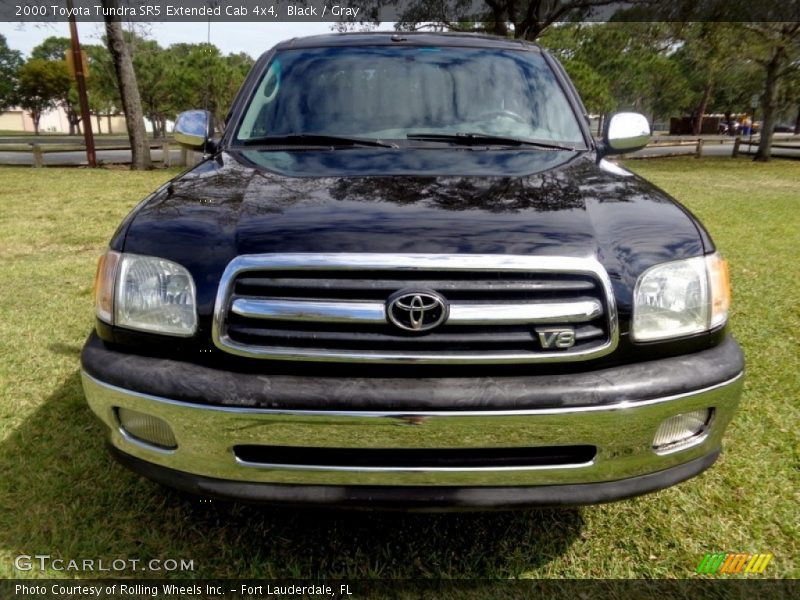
[681,429]
[147,428]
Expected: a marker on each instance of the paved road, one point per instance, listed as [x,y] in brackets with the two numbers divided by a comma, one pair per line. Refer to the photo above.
[710,148]
[716,149]
[115,140]
[79,157]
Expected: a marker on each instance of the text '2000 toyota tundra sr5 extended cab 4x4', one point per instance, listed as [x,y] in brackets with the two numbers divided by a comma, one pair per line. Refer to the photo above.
[405,276]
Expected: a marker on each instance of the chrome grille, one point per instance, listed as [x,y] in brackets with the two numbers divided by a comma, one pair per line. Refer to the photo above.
[333,307]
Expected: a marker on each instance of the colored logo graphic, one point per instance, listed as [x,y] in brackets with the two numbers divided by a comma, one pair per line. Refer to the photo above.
[732,563]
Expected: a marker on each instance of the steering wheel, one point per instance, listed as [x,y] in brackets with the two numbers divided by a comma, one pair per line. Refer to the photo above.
[508,114]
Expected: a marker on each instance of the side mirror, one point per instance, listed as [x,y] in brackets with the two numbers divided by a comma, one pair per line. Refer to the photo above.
[626,132]
[193,129]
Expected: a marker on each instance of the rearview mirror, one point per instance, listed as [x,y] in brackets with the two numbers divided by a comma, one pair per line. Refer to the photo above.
[193,129]
[626,132]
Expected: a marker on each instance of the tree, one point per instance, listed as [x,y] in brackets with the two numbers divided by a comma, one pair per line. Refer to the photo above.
[525,19]
[154,72]
[184,76]
[594,87]
[128,90]
[41,84]
[10,62]
[708,51]
[522,19]
[620,66]
[776,48]
[790,99]
[623,53]
[202,78]
[52,48]
[237,67]
[56,49]
[735,87]
[668,89]
[102,84]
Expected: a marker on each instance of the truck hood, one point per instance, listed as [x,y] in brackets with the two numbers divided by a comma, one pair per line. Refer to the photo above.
[517,201]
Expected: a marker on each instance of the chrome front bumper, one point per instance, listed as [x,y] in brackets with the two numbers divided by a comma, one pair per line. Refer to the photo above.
[622,433]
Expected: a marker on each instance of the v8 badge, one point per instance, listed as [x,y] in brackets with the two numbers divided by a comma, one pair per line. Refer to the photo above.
[556,337]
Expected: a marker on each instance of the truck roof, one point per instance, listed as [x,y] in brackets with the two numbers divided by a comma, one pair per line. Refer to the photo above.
[415,38]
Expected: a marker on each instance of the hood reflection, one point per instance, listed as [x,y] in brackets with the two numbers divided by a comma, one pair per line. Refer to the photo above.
[413,200]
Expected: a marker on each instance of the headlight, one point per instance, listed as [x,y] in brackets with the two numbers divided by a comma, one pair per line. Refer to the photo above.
[145,293]
[681,298]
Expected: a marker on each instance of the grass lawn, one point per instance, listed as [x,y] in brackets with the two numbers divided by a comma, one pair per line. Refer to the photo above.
[61,494]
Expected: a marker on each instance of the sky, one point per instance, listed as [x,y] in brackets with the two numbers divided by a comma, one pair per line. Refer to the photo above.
[252,37]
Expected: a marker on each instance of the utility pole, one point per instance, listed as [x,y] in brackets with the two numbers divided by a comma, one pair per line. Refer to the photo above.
[80,79]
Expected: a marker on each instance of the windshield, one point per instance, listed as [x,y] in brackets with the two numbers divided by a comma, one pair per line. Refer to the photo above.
[389,92]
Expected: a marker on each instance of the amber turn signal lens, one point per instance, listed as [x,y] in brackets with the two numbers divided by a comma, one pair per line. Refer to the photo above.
[720,285]
[104,285]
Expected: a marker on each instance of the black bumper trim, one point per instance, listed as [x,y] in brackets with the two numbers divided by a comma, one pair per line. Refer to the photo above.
[417,497]
[190,382]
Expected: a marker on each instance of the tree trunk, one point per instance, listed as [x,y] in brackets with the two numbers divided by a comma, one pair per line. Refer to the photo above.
[72,118]
[128,91]
[768,105]
[701,109]
[797,122]
[498,26]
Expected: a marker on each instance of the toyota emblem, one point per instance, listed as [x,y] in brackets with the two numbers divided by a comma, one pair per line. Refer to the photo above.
[416,310]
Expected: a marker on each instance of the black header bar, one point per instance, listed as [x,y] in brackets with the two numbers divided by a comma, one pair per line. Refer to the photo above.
[419,589]
[373,11]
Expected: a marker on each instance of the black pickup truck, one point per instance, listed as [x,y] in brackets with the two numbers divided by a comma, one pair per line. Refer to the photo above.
[406,276]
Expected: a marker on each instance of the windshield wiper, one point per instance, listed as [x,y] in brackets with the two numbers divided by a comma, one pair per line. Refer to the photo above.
[479,139]
[314,139]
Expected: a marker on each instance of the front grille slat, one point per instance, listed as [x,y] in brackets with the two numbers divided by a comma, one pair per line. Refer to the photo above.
[383,336]
[333,307]
[328,287]
[285,309]
[413,458]
[473,313]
